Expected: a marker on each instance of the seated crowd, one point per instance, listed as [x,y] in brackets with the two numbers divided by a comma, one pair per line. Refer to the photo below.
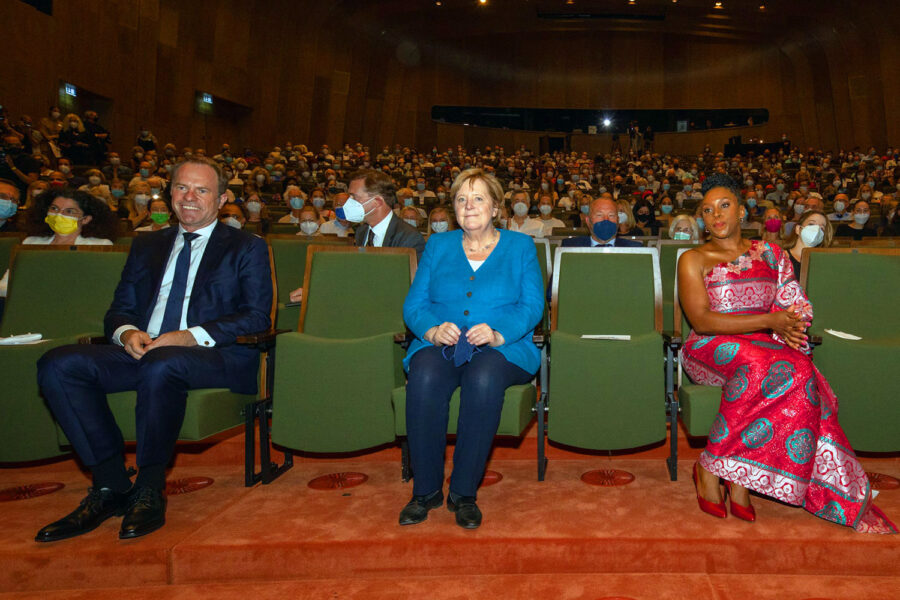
[65,188]
[297,185]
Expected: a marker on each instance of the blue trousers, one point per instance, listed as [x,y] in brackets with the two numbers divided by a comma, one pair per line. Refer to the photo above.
[75,380]
[432,380]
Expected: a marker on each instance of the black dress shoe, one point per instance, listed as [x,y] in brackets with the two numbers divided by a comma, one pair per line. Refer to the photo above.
[417,509]
[146,512]
[467,512]
[99,505]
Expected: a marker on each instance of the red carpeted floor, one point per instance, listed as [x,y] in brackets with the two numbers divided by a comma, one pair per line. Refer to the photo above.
[559,538]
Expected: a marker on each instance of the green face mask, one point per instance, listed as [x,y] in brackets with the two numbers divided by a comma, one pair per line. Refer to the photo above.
[159,218]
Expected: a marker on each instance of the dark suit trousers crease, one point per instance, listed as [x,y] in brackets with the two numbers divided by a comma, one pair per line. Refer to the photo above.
[75,380]
[432,380]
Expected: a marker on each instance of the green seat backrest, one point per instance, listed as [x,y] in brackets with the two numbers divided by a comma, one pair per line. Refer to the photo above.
[606,290]
[6,246]
[356,294]
[668,254]
[283,228]
[855,290]
[61,292]
[289,256]
[543,255]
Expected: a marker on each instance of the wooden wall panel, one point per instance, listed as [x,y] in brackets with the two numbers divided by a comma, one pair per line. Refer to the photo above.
[334,72]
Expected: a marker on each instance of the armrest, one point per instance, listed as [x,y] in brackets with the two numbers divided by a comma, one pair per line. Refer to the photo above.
[93,340]
[262,340]
[403,339]
[671,339]
[540,337]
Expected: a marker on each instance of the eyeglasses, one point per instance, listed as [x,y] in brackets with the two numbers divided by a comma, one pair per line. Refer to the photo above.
[68,212]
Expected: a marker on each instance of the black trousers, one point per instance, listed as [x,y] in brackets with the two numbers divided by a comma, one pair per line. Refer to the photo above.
[75,380]
[432,380]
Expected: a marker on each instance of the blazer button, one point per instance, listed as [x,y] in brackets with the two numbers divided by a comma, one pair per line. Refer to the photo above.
[468,294]
[465,312]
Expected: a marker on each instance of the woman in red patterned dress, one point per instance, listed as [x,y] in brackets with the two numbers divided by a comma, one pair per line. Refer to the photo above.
[777,431]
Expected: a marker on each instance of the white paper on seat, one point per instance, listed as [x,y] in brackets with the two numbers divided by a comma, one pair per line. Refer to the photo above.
[606,336]
[842,334]
[25,338]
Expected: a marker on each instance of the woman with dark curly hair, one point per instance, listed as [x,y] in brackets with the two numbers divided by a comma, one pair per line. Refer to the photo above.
[777,430]
[61,216]
[70,217]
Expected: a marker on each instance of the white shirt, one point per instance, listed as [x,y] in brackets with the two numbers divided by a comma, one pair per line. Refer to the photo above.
[198,247]
[548,225]
[380,230]
[333,227]
[529,226]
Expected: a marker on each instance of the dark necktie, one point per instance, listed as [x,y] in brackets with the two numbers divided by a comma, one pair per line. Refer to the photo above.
[175,303]
[370,241]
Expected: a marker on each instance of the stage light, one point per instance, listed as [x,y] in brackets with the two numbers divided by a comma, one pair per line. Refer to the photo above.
[607,122]
[482,1]
[718,5]
[762,7]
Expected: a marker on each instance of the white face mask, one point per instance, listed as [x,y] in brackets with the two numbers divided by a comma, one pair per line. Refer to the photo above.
[861,218]
[439,226]
[520,209]
[812,235]
[622,217]
[353,210]
[411,222]
[839,206]
[309,227]
[94,180]
[232,222]
[254,207]
[545,209]
[141,199]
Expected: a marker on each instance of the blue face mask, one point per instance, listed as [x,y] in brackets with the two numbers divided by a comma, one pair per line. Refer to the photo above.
[296,202]
[7,209]
[666,186]
[586,209]
[117,193]
[145,173]
[420,187]
[751,202]
[604,230]
[666,208]
[407,202]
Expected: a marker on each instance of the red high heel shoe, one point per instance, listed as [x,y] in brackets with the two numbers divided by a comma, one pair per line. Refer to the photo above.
[747,513]
[711,508]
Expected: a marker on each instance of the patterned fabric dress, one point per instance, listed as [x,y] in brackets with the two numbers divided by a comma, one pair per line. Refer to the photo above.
[777,431]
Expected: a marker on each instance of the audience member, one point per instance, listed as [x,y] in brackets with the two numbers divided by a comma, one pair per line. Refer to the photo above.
[683,228]
[812,230]
[482,350]
[859,227]
[603,224]
[159,216]
[162,346]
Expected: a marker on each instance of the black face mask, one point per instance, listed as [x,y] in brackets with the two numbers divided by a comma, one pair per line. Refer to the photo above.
[642,218]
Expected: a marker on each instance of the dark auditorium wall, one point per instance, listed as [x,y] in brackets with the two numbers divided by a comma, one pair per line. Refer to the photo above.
[351,70]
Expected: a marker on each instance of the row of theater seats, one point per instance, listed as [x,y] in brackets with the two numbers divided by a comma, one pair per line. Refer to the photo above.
[333,382]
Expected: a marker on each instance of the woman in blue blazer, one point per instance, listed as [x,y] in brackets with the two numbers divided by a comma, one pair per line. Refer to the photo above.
[475,300]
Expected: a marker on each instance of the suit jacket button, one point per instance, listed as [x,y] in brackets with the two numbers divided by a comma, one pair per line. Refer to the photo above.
[468,294]
[465,312]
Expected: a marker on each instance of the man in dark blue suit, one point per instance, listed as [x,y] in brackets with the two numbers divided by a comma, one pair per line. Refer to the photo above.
[185,295]
[603,223]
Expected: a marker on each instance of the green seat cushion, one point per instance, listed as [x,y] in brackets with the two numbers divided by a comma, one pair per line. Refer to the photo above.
[334,395]
[621,405]
[859,373]
[27,429]
[699,406]
[208,412]
[518,402]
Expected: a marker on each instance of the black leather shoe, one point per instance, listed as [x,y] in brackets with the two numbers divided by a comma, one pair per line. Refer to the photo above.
[99,505]
[468,515]
[417,509]
[146,512]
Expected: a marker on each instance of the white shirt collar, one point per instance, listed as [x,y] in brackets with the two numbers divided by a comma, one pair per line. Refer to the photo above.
[204,232]
[381,229]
